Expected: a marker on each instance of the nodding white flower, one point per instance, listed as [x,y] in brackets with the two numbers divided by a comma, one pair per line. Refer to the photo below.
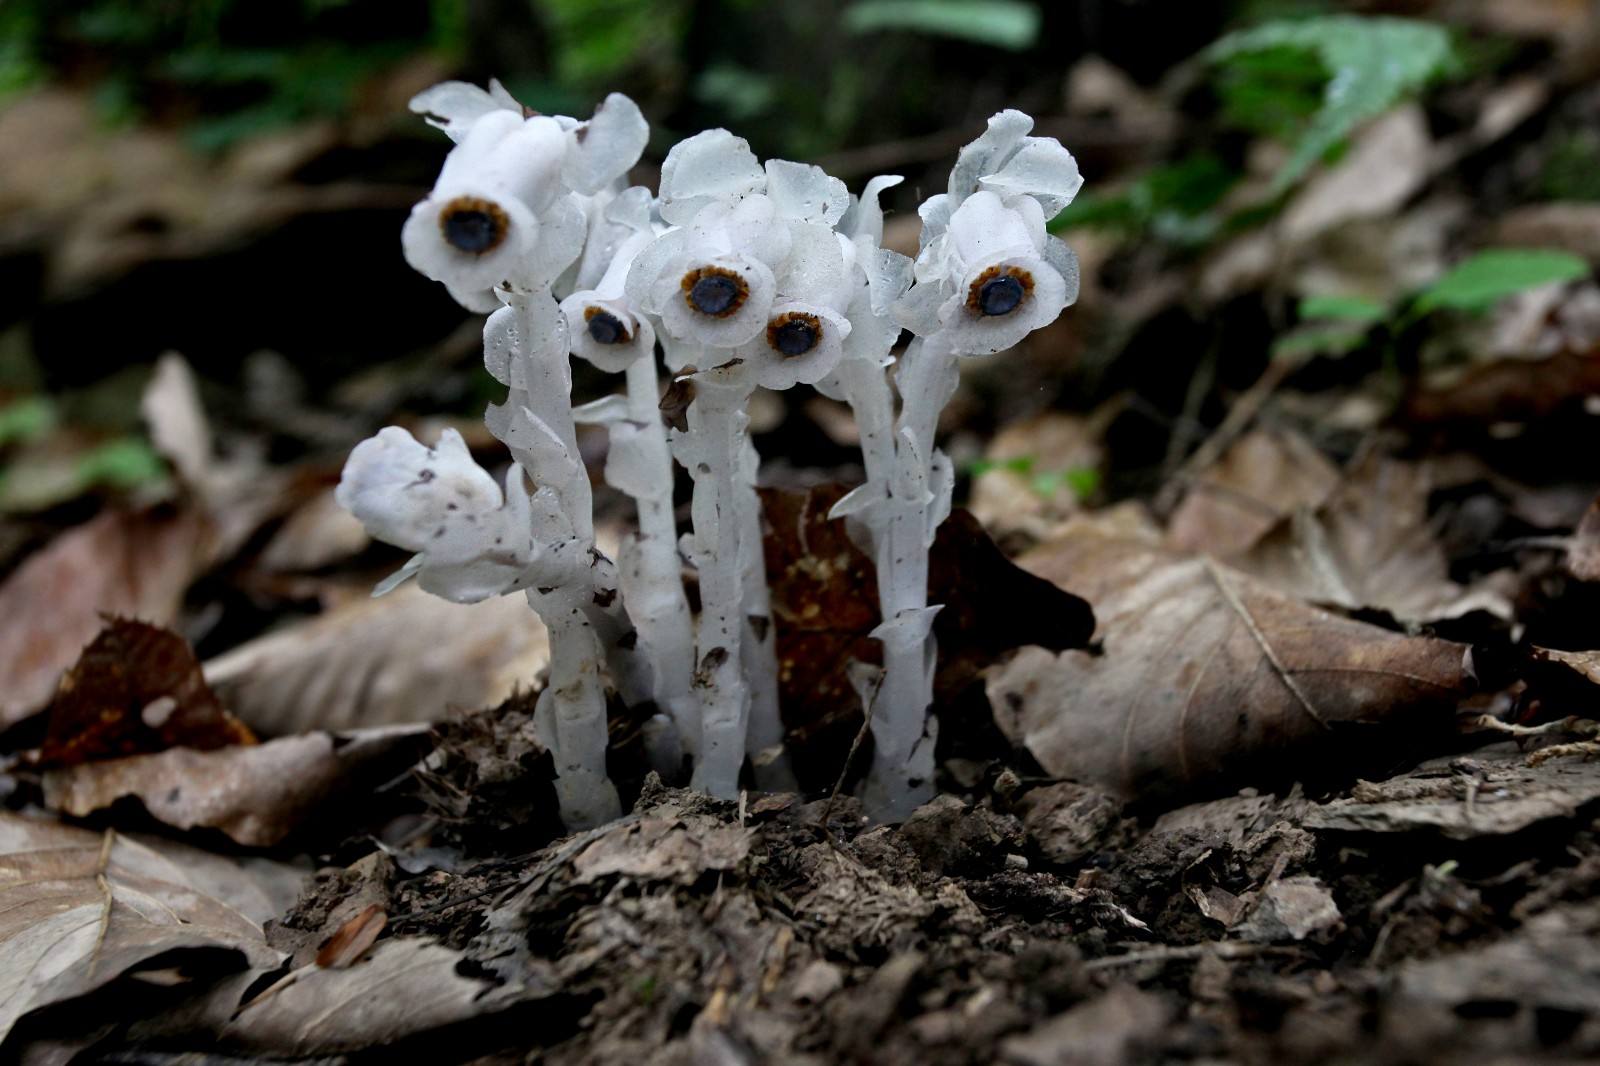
[472,541]
[714,283]
[602,326]
[603,149]
[991,278]
[480,226]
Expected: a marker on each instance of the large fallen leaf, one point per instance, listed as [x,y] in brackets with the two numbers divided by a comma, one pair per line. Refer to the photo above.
[79,909]
[1261,479]
[135,565]
[1369,546]
[136,689]
[824,605]
[257,795]
[404,657]
[404,988]
[1205,676]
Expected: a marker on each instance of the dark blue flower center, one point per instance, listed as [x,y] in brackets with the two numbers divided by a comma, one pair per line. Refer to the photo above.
[797,336]
[607,328]
[1000,296]
[714,294]
[472,225]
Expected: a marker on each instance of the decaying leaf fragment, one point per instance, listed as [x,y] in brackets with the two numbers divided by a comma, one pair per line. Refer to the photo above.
[134,565]
[1205,675]
[136,689]
[1258,481]
[80,909]
[257,795]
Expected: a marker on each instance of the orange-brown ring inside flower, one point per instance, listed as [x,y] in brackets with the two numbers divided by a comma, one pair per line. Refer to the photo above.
[794,333]
[608,324]
[994,273]
[702,284]
[474,225]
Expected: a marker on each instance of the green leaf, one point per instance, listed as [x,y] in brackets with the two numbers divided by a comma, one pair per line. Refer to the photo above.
[1492,275]
[125,463]
[1008,24]
[1372,63]
[26,419]
[1022,464]
[1342,308]
[1318,340]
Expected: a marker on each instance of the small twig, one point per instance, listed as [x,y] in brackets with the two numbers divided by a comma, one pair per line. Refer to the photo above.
[850,757]
[1226,949]
[102,864]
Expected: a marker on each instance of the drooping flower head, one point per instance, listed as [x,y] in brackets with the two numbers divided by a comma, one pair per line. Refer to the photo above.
[988,272]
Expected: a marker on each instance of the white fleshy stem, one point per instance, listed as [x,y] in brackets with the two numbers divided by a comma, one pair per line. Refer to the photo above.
[537,425]
[769,760]
[652,571]
[904,733]
[717,424]
[570,717]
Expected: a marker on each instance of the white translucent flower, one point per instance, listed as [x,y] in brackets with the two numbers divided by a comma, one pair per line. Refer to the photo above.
[708,167]
[481,224]
[472,541]
[714,283]
[1004,159]
[454,106]
[604,328]
[992,278]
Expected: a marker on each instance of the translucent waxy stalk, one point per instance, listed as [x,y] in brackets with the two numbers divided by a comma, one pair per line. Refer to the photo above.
[713,453]
[769,760]
[570,717]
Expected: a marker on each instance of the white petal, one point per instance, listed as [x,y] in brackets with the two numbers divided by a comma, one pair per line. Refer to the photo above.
[865,217]
[1042,169]
[748,226]
[454,106]
[607,146]
[888,275]
[988,153]
[714,165]
[479,301]
[1064,261]
[562,229]
[816,270]
[647,266]
[806,192]
[935,213]
[983,228]
[918,309]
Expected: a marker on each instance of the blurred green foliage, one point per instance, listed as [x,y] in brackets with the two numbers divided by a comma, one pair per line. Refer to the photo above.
[1002,23]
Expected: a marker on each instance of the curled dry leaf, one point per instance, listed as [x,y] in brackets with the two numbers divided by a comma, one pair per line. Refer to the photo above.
[1369,546]
[1206,676]
[1264,477]
[136,689]
[404,657]
[257,795]
[119,563]
[79,909]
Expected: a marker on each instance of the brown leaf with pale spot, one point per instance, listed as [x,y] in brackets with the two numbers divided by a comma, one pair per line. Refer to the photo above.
[137,689]
[353,939]
[1207,679]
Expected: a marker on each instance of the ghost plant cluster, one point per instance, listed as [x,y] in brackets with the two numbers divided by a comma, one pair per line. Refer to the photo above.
[749,276]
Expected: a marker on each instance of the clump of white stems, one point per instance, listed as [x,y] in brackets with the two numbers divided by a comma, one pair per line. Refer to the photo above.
[749,276]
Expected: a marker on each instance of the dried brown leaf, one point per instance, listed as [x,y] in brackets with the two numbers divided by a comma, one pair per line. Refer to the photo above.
[404,657]
[353,939]
[1583,550]
[257,795]
[1207,676]
[134,565]
[1369,546]
[136,689]
[1263,478]
[79,909]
